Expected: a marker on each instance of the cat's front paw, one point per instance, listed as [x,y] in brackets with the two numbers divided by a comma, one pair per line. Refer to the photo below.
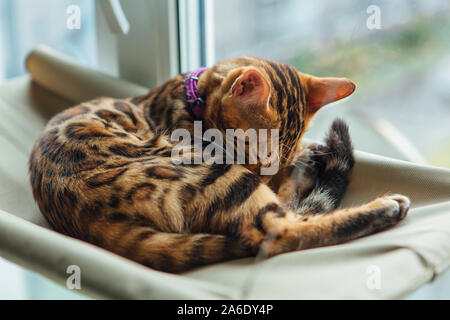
[397,206]
[389,210]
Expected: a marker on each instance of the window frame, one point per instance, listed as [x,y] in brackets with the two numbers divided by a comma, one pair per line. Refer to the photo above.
[165,38]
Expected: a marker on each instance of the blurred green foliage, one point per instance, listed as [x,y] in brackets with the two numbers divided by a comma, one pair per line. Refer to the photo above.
[366,60]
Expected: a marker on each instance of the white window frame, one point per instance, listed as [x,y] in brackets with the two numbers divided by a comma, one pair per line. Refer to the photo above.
[196,34]
[165,37]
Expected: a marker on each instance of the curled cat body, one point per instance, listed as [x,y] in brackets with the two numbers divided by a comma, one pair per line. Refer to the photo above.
[102,172]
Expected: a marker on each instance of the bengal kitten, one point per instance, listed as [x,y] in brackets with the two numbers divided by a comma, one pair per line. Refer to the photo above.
[102,172]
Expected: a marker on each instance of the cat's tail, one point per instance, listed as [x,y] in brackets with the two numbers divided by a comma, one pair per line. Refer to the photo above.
[173,252]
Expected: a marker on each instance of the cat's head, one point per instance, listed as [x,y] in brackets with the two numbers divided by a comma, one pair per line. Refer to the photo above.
[248,92]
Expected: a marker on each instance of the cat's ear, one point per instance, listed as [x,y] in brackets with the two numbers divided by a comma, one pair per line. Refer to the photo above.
[250,89]
[321,91]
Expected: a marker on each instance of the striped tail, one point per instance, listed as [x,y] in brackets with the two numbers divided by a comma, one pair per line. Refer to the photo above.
[172,252]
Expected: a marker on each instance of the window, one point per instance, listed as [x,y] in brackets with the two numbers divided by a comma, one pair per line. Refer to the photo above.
[24,24]
[401,70]
[402,91]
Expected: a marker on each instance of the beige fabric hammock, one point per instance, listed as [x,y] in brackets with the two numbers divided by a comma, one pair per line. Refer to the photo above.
[390,264]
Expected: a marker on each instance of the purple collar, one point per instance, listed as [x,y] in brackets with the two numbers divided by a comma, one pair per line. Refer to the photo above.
[196,104]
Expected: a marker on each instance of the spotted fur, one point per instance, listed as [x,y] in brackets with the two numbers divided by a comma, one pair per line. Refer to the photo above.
[102,172]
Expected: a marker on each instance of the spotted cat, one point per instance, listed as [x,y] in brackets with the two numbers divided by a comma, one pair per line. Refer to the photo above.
[102,171]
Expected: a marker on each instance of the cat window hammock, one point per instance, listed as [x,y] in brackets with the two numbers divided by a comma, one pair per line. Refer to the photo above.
[403,258]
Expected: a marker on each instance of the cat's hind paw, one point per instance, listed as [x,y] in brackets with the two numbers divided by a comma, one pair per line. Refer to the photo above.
[339,146]
[308,168]
[337,161]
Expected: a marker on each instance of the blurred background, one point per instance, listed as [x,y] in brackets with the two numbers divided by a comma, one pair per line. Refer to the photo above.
[402,70]
[24,24]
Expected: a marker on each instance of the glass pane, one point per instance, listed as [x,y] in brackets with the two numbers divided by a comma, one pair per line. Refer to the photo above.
[24,24]
[401,68]
[17,283]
